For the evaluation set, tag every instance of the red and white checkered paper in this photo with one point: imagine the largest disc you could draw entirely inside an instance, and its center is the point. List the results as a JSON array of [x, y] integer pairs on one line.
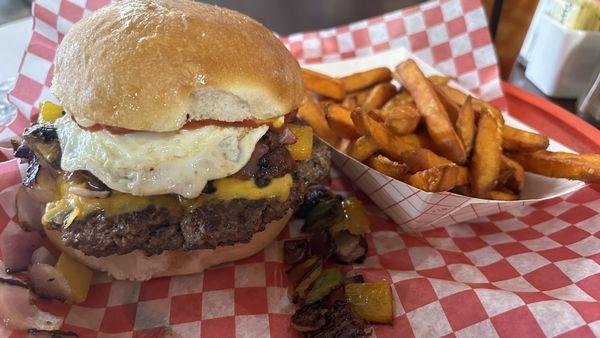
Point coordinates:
[[533, 271]]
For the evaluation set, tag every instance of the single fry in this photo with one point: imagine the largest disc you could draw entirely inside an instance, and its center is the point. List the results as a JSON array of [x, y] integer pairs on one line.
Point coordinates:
[[438, 79], [585, 167], [361, 96], [340, 122], [379, 95], [361, 121], [401, 118], [479, 106], [350, 102], [516, 180], [505, 173], [521, 141], [362, 148], [323, 84], [435, 179], [419, 159], [375, 115], [402, 98], [362, 80], [433, 112], [418, 140], [386, 166], [324, 102], [313, 115], [465, 125], [486, 161], [452, 108], [502, 195], [462, 178], [391, 144]]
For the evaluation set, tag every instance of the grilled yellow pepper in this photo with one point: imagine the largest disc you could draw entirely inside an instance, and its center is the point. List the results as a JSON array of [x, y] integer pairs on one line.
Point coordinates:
[[50, 111], [302, 149], [78, 276], [355, 218], [372, 301]]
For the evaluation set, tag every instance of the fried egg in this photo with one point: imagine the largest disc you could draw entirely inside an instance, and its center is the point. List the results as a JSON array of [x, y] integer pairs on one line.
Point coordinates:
[[153, 163]]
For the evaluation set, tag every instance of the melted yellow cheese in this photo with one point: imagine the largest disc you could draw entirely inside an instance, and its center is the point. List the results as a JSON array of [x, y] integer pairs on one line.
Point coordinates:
[[231, 188], [70, 206], [277, 122]]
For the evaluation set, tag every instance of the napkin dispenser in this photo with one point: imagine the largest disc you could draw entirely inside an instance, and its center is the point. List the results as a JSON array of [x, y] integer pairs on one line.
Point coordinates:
[[562, 62]]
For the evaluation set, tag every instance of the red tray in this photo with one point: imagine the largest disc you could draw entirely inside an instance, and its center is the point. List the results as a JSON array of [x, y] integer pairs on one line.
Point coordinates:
[[551, 119]]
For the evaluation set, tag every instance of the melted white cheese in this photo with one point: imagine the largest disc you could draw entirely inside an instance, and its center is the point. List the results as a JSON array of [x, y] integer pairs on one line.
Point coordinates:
[[149, 163]]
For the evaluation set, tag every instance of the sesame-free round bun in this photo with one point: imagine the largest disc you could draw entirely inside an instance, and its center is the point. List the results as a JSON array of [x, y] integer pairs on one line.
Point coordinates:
[[154, 64], [137, 266]]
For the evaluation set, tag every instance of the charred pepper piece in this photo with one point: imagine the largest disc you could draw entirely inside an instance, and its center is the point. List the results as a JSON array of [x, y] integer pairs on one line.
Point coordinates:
[[324, 215], [328, 281], [294, 251], [314, 195], [301, 276], [322, 244]]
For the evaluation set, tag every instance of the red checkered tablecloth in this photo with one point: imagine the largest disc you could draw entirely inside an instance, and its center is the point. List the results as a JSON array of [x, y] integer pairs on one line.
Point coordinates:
[[533, 271]]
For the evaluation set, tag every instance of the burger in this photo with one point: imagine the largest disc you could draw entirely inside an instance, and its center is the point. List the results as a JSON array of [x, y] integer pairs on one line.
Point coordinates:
[[174, 145]]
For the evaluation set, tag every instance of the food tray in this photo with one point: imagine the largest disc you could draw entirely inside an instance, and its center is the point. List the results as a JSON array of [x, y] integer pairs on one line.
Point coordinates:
[[416, 210]]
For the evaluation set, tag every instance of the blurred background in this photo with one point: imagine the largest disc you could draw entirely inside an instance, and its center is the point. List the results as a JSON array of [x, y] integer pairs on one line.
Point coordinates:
[[285, 17], [13, 9]]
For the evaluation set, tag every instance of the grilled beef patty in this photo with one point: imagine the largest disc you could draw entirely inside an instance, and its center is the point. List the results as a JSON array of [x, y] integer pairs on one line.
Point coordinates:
[[155, 230], [206, 227], [211, 225]]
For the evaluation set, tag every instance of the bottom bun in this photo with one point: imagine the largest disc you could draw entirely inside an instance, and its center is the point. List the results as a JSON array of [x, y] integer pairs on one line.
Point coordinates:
[[137, 266]]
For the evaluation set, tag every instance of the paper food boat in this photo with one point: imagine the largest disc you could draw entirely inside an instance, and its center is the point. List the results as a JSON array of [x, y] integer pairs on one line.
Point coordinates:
[[416, 210]]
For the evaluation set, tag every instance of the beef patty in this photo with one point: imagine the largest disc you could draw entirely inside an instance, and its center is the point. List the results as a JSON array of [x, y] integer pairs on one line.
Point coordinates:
[[211, 225]]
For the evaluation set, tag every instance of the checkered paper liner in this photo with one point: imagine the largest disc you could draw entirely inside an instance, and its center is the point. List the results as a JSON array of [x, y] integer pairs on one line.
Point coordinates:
[[531, 271]]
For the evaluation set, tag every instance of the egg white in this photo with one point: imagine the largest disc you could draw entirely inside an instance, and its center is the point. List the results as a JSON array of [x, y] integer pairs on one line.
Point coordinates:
[[151, 163]]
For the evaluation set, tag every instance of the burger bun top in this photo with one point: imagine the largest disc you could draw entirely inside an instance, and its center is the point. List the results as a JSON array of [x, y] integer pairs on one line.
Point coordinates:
[[153, 65]]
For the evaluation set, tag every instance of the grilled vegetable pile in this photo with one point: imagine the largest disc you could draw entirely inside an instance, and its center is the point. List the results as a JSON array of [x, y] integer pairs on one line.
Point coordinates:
[[330, 303]]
